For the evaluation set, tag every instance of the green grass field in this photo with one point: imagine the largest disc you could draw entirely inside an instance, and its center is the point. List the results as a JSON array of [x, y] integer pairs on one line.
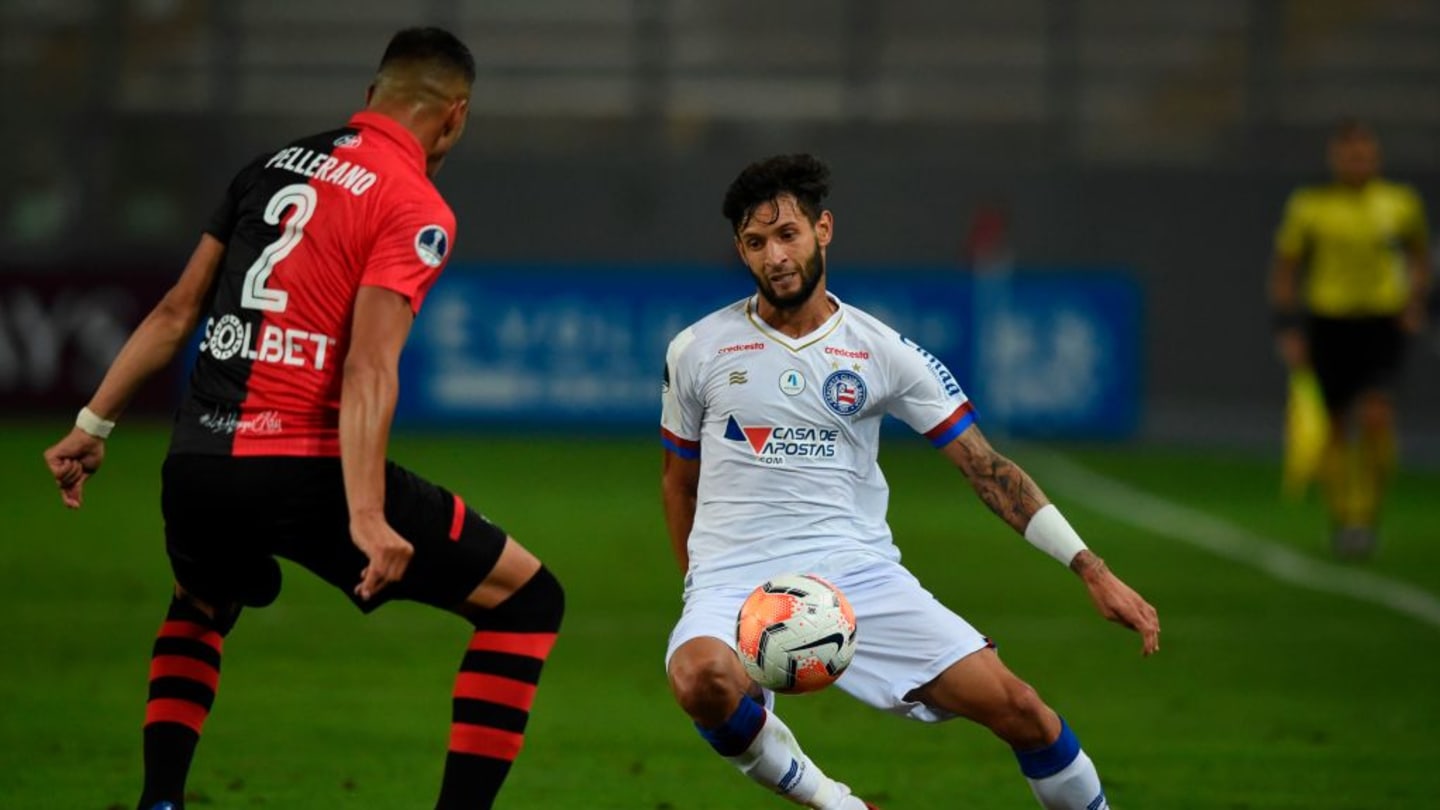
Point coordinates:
[[1264, 695]]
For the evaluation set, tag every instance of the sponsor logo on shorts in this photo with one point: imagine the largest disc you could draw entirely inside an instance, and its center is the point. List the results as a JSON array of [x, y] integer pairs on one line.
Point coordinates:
[[844, 392]]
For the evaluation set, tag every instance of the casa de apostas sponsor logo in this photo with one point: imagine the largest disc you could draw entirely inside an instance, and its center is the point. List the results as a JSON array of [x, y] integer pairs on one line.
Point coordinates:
[[779, 444]]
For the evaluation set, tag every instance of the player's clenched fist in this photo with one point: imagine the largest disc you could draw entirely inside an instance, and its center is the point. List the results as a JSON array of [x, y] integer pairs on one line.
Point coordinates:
[[388, 552], [72, 460]]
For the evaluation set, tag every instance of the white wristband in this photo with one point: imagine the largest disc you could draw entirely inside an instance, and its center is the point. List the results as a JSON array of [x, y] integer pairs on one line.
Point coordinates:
[[1050, 532], [90, 422]]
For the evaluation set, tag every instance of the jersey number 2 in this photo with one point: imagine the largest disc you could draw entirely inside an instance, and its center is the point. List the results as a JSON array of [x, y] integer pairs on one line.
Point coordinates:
[[255, 295]]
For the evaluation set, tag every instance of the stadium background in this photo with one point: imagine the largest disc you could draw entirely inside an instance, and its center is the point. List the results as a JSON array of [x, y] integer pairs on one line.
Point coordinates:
[[1149, 142]]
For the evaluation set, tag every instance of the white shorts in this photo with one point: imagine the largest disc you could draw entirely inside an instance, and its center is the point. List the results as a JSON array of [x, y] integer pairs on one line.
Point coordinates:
[[905, 637]]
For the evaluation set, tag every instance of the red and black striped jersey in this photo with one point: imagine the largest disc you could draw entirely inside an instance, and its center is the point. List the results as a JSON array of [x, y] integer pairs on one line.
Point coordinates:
[[304, 228]]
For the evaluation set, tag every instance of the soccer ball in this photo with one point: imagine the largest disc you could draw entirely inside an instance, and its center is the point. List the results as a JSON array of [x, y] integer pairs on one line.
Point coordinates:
[[795, 633]]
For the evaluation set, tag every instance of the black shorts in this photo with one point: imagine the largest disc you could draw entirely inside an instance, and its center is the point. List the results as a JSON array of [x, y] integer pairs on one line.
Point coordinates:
[[227, 518], [1351, 355]]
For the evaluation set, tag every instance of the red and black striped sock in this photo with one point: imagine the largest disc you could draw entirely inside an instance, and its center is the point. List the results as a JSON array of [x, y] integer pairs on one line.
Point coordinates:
[[184, 673], [495, 689]]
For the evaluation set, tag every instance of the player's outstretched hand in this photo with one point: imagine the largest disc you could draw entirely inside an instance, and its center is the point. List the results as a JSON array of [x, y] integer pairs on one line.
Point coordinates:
[[1119, 602], [388, 552], [72, 460]]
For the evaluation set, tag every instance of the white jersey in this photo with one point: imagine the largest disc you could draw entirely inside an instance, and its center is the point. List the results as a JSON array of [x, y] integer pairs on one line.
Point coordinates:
[[787, 431]]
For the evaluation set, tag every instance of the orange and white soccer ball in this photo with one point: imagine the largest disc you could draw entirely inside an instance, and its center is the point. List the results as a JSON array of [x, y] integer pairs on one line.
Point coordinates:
[[795, 633]]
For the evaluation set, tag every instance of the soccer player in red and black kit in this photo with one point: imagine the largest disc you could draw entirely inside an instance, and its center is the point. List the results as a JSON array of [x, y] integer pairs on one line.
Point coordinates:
[[309, 276]]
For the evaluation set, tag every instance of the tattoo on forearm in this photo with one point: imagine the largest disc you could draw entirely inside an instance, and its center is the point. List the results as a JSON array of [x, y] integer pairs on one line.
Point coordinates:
[[1007, 490]]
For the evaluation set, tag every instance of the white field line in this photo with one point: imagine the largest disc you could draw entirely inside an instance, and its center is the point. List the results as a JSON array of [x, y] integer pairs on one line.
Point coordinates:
[[1126, 504]]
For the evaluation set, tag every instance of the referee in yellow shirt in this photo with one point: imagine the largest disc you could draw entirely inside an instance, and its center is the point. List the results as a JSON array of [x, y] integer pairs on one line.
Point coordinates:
[[1348, 287]]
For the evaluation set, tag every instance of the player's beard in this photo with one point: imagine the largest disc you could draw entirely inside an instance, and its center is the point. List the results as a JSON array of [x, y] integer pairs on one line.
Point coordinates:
[[811, 271]]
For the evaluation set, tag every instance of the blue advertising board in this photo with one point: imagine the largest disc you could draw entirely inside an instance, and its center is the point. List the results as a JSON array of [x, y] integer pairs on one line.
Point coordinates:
[[1040, 353]]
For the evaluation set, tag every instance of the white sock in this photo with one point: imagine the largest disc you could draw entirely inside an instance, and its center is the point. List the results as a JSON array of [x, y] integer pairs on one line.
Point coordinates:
[[1074, 787], [775, 760]]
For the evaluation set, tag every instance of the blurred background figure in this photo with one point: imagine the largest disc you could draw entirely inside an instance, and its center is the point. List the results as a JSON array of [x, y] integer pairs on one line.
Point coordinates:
[[1348, 287]]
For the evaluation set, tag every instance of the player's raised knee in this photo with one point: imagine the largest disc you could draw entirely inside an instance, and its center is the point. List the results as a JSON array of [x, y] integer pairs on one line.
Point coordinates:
[[704, 681], [536, 606], [539, 603]]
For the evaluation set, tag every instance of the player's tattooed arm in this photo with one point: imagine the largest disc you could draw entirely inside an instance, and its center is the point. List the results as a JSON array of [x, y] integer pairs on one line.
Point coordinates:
[[1005, 488]]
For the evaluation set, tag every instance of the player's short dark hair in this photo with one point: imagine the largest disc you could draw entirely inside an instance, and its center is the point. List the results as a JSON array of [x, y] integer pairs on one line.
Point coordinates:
[[433, 46], [805, 177]]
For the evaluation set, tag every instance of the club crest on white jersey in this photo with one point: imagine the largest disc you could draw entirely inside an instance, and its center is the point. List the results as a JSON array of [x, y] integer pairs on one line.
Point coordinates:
[[844, 392]]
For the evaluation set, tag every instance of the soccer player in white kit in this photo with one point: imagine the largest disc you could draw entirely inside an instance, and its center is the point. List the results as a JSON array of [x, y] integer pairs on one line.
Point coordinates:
[[771, 412]]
